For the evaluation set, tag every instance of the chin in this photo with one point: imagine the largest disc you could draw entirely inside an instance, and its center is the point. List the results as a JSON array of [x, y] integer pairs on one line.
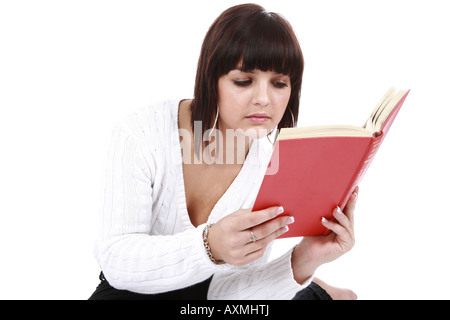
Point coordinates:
[[258, 132]]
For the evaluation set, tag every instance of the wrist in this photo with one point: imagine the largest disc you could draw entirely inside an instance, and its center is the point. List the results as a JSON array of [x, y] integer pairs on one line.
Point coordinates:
[[303, 266], [206, 234]]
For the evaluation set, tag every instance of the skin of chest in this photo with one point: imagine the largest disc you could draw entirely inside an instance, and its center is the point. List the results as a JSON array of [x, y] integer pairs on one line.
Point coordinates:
[[204, 186]]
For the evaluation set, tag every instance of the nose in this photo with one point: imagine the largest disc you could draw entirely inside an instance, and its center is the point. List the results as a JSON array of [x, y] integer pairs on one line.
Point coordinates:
[[261, 94]]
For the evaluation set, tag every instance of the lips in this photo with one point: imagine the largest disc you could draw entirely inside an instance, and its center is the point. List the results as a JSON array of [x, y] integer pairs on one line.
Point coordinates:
[[258, 117]]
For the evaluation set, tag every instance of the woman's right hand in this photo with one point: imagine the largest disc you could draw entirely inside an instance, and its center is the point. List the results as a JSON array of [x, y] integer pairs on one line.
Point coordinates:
[[230, 239]]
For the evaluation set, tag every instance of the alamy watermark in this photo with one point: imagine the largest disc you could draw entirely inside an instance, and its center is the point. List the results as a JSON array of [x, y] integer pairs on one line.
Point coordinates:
[[219, 152]]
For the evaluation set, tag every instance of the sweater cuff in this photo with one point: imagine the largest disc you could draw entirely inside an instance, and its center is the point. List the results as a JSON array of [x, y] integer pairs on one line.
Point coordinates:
[[284, 284], [205, 260]]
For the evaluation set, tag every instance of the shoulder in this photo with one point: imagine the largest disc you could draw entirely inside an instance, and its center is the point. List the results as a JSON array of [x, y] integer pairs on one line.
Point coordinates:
[[156, 119]]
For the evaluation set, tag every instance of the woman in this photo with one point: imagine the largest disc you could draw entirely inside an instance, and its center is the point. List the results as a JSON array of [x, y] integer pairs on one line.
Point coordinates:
[[183, 176]]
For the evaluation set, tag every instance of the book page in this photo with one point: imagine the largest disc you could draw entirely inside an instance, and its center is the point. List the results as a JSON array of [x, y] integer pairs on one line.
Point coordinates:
[[370, 123], [387, 110], [323, 131], [373, 124]]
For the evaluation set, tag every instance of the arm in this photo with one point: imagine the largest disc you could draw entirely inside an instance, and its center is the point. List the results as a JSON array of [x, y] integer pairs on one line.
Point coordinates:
[[262, 280], [129, 256]]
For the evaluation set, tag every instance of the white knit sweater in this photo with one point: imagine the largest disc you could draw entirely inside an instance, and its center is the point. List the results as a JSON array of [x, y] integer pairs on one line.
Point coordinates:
[[146, 242]]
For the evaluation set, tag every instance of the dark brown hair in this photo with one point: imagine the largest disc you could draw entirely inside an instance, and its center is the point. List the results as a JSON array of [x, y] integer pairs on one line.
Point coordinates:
[[250, 36]]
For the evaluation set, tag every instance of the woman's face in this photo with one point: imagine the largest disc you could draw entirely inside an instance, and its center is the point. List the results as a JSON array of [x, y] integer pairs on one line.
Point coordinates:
[[253, 100]]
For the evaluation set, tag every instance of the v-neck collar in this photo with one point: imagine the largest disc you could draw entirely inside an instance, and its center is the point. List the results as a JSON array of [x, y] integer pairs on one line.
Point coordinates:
[[232, 191]]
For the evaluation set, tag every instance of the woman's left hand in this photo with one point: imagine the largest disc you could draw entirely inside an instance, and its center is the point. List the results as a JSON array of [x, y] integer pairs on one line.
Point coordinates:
[[312, 252]]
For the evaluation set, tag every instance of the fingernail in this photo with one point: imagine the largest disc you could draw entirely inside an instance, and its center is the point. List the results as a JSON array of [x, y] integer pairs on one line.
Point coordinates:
[[290, 220], [355, 192], [324, 220], [280, 210], [339, 210], [285, 229]]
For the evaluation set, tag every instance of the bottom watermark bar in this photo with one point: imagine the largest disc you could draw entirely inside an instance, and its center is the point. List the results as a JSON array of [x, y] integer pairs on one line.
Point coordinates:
[[227, 309]]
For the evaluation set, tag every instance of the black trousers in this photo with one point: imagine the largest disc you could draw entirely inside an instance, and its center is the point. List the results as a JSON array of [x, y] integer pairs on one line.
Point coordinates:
[[198, 291]]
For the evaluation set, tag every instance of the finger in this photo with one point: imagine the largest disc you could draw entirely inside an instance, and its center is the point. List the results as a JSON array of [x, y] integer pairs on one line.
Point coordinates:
[[255, 255], [344, 221], [255, 218], [269, 227], [350, 207], [264, 242], [341, 218], [256, 249], [342, 237], [339, 230]]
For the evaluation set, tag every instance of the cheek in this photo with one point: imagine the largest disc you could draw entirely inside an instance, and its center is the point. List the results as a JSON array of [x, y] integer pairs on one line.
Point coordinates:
[[280, 103], [233, 100], [285, 95]]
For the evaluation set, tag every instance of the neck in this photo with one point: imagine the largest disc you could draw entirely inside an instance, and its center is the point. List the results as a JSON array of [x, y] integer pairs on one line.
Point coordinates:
[[230, 147], [222, 147]]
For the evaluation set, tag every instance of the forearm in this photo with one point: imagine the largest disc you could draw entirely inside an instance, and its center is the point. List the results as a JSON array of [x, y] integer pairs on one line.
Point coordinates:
[[303, 267], [154, 264], [261, 280]]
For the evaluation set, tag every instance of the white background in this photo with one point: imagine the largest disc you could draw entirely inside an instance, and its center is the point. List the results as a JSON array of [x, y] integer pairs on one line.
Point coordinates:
[[70, 69]]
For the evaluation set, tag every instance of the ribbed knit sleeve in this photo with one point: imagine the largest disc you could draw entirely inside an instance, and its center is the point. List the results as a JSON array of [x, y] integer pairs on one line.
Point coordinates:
[[129, 252], [272, 280]]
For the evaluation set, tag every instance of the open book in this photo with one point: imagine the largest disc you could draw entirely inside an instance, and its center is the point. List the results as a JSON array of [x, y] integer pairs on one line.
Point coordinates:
[[315, 169]]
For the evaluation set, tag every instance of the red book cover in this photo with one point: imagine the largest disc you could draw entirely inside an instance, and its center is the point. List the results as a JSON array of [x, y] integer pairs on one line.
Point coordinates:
[[316, 174]]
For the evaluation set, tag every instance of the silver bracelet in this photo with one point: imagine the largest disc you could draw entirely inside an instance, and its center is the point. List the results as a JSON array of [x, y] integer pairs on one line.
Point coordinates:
[[207, 247]]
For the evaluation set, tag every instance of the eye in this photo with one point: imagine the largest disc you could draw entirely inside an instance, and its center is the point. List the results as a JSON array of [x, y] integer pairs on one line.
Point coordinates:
[[279, 84], [242, 83]]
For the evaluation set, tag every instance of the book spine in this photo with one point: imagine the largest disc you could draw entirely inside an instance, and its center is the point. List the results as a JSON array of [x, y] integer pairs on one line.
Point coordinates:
[[377, 139], [365, 163]]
